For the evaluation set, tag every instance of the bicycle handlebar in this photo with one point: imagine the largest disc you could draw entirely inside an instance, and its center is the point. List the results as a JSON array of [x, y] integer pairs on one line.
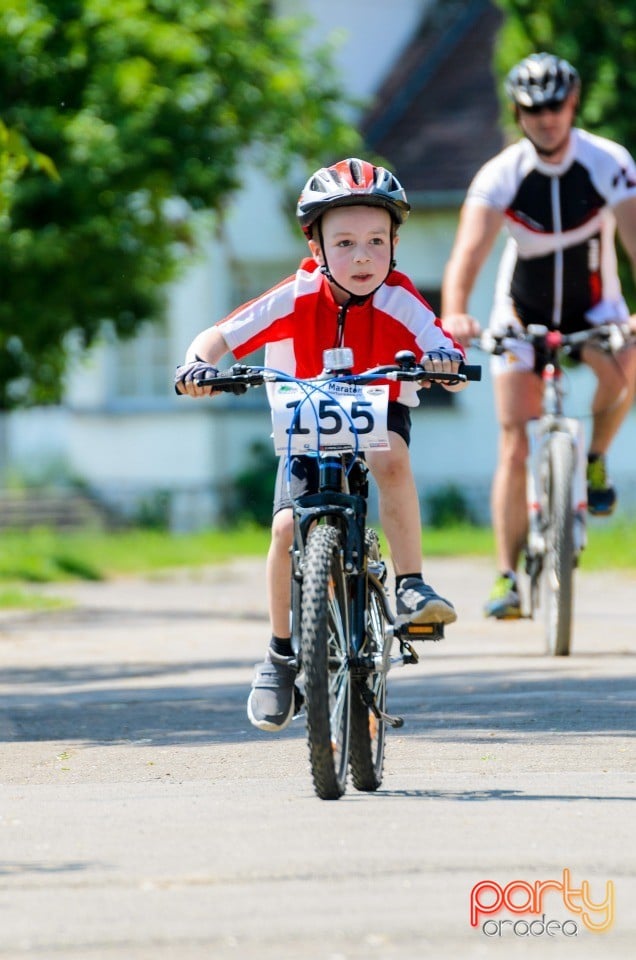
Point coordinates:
[[611, 336], [247, 376]]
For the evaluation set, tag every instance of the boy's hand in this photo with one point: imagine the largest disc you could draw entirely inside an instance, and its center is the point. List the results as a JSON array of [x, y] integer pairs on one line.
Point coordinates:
[[187, 374], [443, 361]]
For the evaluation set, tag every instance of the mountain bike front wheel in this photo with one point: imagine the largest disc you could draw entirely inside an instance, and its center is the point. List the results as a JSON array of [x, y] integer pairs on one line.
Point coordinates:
[[559, 562], [325, 658], [367, 730]]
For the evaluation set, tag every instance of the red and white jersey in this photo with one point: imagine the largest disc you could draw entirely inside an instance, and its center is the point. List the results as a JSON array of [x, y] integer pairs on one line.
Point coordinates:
[[298, 319]]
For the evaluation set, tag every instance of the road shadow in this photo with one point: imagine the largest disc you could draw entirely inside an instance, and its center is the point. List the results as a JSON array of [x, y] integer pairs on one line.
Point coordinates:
[[517, 702], [172, 704], [479, 796]]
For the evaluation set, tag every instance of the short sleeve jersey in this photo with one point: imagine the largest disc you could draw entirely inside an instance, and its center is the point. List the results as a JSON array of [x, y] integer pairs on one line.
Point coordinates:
[[298, 319], [559, 267]]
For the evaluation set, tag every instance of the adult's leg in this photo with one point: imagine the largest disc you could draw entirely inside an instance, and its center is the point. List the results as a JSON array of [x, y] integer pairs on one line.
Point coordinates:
[[614, 396]]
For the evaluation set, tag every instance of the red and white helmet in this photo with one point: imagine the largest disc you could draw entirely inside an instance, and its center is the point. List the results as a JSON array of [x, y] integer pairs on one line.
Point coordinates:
[[348, 183]]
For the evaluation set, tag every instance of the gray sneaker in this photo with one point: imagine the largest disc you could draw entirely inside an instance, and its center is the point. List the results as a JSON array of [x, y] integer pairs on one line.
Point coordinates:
[[274, 697], [417, 602]]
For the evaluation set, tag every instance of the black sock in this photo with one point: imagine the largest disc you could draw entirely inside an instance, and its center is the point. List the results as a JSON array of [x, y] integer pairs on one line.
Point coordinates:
[[282, 646], [406, 576]]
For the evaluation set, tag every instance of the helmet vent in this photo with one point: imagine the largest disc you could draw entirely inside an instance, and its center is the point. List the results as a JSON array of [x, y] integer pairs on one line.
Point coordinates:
[[356, 171]]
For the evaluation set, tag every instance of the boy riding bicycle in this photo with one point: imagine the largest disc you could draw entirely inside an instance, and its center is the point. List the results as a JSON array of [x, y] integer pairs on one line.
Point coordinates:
[[347, 293]]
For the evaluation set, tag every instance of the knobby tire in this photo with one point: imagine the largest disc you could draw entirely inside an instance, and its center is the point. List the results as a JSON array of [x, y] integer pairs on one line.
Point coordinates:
[[325, 659], [559, 562], [368, 731]]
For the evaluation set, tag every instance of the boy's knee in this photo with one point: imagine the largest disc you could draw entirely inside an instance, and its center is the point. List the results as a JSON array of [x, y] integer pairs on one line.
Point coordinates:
[[283, 528], [392, 471], [390, 463]]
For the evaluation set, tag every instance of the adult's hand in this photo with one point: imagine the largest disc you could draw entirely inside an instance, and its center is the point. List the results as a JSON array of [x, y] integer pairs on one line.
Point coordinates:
[[462, 327]]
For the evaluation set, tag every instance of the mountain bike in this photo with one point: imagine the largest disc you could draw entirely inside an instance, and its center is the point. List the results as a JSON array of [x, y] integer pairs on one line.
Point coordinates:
[[556, 482], [343, 628]]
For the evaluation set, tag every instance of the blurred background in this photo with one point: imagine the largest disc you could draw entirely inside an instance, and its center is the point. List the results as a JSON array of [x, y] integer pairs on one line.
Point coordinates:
[[151, 154]]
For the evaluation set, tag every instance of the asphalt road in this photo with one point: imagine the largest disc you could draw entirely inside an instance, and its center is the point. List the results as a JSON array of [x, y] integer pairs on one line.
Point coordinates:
[[141, 816]]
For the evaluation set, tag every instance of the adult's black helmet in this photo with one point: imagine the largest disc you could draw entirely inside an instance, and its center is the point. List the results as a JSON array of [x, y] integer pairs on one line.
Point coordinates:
[[541, 78], [348, 183]]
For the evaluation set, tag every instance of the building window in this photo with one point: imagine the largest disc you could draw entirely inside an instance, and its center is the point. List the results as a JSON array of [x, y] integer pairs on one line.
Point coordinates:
[[142, 365]]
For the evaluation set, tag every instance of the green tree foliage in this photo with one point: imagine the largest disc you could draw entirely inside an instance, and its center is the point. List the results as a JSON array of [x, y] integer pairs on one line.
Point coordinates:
[[145, 108], [599, 38], [16, 156]]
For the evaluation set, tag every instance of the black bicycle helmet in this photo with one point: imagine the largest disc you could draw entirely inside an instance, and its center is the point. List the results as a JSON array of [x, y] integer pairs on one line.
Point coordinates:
[[347, 183], [541, 78]]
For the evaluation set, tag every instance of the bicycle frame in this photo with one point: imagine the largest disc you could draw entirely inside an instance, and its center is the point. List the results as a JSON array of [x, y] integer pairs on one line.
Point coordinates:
[[540, 433]]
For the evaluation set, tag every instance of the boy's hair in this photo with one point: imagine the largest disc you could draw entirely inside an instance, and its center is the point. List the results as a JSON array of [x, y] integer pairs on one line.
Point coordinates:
[[348, 183]]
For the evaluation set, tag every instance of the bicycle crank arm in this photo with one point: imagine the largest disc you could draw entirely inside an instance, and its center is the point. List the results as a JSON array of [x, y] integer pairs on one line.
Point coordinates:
[[395, 722], [369, 699], [407, 655]]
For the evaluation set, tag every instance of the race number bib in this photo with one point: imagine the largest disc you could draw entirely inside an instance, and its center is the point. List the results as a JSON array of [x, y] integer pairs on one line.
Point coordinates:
[[329, 417]]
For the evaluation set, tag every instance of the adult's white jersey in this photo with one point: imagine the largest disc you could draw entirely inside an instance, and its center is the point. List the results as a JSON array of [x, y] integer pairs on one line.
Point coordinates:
[[559, 266]]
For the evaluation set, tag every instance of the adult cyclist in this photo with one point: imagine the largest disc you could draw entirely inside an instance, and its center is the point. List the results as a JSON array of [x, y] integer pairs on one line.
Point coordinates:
[[561, 192]]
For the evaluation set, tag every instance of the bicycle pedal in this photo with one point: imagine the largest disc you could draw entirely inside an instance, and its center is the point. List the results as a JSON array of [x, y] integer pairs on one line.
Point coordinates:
[[421, 631]]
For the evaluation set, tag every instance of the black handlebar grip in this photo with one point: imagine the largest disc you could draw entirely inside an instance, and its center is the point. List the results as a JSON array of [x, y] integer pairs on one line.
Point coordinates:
[[221, 385], [472, 371]]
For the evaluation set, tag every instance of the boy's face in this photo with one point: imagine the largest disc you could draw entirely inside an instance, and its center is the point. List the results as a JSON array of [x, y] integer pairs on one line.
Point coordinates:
[[357, 248]]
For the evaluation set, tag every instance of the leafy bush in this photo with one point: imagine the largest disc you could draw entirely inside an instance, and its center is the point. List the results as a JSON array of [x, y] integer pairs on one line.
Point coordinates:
[[447, 506], [252, 491]]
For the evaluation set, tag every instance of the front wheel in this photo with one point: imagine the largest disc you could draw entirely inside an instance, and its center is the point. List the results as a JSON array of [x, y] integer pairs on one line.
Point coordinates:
[[367, 730], [325, 658], [559, 561]]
